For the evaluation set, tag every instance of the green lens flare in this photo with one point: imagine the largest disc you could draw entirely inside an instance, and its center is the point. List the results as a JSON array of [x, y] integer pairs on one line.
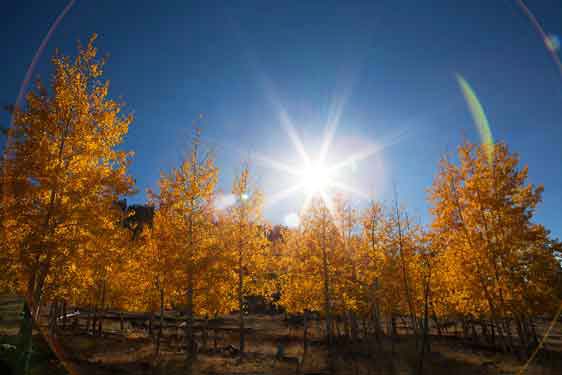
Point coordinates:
[[478, 115]]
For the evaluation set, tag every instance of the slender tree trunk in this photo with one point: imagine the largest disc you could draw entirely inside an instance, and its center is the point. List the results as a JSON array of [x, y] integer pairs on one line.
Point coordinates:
[[216, 333], [103, 293], [177, 339], [534, 331], [337, 325], [94, 319], [405, 278], [57, 312], [150, 323], [475, 336], [376, 317], [189, 336], [425, 346], [346, 325], [464, 328], [38, 292], [484, 329], [327, 297], [378, 330], [305, 335], [394, 328], [393, 331], [60, 315], [241, 298], [508, 334], [436, 322], [26, 340], [64, 312], [327, 294], [159, 337], [206, 332], [523, 333], [526, 331], [51, 318], [365, 328], [89, 318], [353, 324]]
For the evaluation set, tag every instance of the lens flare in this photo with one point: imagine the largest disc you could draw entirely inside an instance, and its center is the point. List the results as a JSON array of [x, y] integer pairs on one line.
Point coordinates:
[[553, 43], [292, 220], [38, 54], [224, 201], [479, 116]]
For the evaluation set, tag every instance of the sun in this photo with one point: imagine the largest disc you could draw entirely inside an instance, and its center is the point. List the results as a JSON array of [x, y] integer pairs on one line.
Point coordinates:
[[316, 178]]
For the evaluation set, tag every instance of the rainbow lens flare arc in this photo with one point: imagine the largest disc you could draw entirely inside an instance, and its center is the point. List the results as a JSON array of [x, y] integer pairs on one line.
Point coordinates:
[[478, 115]]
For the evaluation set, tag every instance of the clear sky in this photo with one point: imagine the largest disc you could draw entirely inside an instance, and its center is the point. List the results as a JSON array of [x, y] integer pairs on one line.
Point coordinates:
[[384, 69]]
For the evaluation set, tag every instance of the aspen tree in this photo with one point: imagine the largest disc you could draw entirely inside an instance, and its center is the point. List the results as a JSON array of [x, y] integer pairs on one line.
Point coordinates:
[[62, 172]]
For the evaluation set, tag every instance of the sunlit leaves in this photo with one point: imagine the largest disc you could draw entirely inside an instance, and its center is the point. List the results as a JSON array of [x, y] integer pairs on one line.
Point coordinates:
[[62, 172], [483, 225]]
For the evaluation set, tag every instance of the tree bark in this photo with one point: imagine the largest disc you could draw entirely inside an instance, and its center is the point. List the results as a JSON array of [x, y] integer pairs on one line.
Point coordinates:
[[241, 298], [436, 322], [216, 333], [425, 329], [305, 334], [150, 323], [26, 340], [189, 337], [327, 298], [94, 319], [64, 312], [159, 337], [103, 293], [206, 332]]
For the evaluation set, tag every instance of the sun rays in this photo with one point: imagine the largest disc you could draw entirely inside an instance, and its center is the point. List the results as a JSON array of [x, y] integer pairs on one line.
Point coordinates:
[[314, 175]]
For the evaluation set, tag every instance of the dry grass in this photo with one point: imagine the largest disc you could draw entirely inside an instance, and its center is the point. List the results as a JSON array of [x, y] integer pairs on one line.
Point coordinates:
[[133, 351]]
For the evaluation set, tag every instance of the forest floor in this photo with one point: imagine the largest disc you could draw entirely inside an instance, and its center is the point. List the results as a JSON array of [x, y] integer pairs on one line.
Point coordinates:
[[131, 351], [133, 354], [42, 359]]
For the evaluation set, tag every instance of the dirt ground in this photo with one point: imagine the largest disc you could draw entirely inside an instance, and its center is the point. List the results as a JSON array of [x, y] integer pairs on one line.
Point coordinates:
[[131, 351], [42, 360]]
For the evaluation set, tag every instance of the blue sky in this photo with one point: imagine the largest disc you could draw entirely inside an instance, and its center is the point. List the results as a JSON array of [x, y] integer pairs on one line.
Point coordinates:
[[389, 65]]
